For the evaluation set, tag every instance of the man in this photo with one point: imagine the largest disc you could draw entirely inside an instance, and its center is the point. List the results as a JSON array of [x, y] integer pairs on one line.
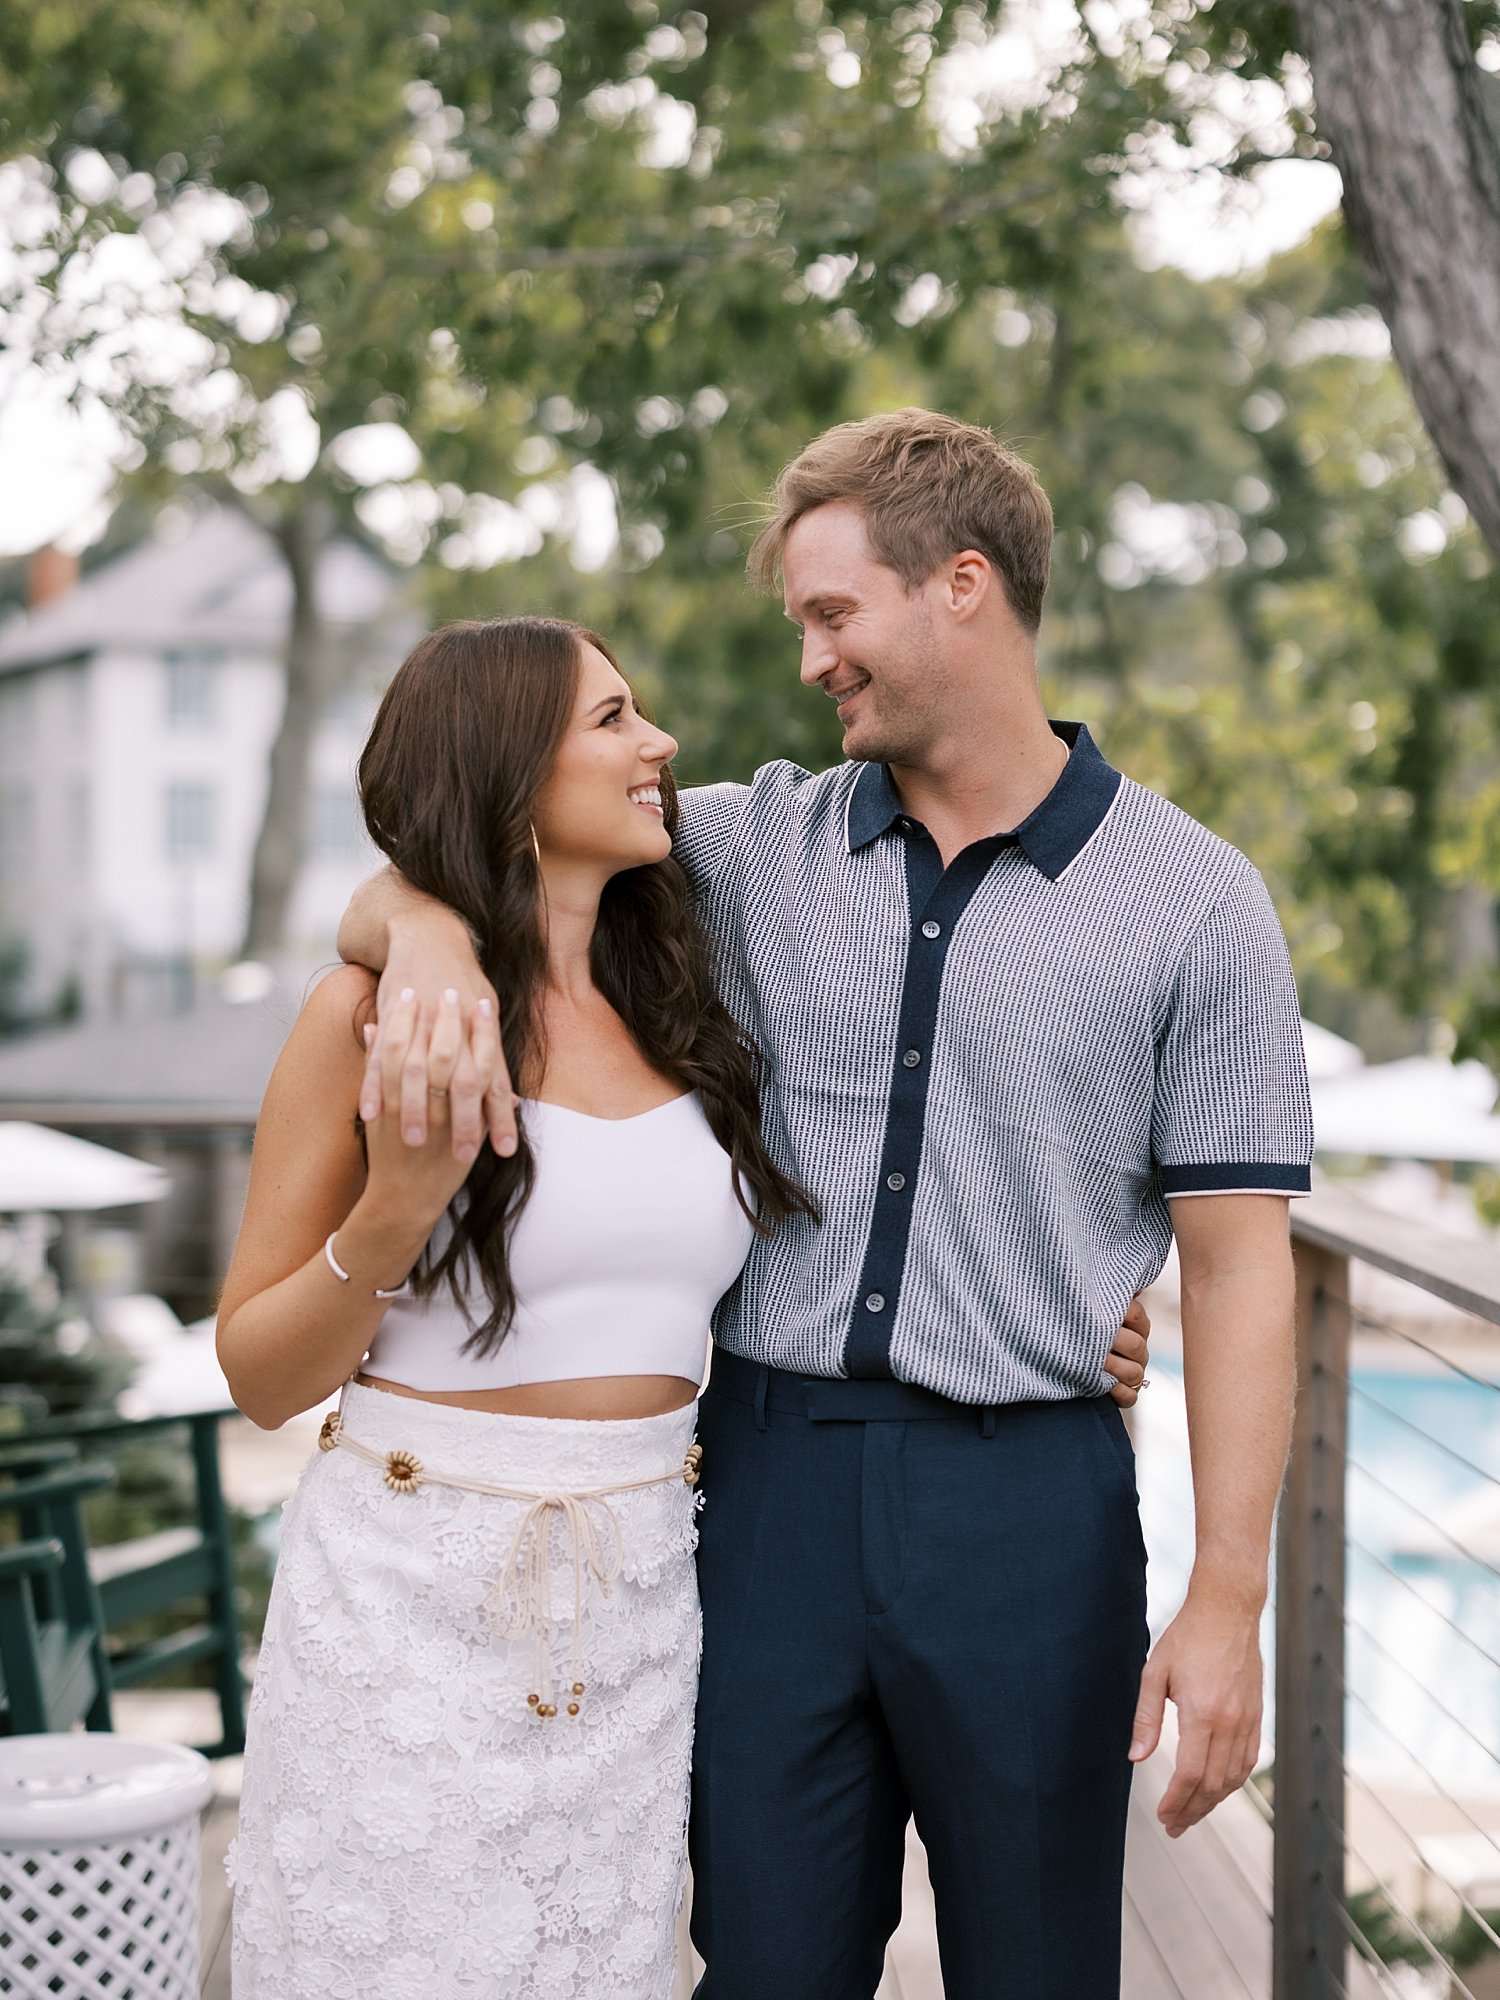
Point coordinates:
[[1024, 1020]]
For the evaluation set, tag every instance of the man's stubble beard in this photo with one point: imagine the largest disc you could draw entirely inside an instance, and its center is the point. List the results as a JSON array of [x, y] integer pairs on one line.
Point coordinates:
[[906, 738]]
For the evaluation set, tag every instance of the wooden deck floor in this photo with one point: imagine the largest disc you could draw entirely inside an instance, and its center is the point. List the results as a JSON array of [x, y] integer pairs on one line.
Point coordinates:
[[1197, 1911]]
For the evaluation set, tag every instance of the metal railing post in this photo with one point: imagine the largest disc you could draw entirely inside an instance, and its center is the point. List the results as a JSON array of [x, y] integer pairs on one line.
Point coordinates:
[[1310, 1941]]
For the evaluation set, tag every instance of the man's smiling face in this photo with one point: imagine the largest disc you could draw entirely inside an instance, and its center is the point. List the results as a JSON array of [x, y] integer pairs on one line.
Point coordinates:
[[868, 643]]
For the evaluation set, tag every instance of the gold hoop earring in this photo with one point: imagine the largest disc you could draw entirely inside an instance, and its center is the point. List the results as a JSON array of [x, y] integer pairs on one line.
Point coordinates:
[[536, 845]]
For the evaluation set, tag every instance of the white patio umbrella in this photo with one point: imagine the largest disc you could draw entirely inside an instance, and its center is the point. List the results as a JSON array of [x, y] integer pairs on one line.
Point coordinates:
[[1329, 1054], [52, 1172], [1421, 1108]]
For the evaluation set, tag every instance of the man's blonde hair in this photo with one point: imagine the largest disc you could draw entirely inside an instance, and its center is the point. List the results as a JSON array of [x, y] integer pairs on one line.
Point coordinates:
[[928, 487]]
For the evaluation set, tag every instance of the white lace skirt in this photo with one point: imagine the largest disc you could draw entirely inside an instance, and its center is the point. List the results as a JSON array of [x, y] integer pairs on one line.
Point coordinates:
[[409, 1825]]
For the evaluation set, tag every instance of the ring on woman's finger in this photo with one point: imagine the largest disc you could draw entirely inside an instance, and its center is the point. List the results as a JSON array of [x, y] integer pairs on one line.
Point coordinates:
[[433, 1091]]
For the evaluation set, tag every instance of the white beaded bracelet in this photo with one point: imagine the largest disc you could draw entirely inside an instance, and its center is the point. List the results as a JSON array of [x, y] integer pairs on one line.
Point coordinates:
[[399, 1292]]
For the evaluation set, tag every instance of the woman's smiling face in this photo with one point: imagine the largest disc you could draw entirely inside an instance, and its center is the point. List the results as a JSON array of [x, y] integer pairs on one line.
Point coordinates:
[[602, 802]]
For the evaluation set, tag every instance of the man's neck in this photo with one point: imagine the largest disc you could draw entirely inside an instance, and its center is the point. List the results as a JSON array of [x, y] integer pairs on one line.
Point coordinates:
[[967, 791]]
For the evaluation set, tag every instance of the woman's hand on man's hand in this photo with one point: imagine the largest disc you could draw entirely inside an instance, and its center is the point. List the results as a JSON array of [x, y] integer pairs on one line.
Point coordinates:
[[416, 1180], [438, 1031]]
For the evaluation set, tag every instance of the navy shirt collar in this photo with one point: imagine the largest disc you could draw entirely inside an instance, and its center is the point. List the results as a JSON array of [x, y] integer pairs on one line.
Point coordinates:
[[1051, 837]]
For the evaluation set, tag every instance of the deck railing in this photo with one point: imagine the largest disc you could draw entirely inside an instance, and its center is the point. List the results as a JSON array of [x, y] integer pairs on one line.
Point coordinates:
[[1315, 1923]]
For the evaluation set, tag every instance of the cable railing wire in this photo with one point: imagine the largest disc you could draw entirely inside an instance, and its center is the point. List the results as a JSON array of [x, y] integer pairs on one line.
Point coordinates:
[[1427, 1437], [1394, 1903], [1376, 1325], [1441, 1789], [1475, 1916], [1362, 1548], [1363, 1946], [1355, 1625], [1385, 1487], [1417, 1928], [1266, 1812]]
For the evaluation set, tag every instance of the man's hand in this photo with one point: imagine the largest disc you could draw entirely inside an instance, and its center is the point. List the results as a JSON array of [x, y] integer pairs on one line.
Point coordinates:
[[438, 1025], [438, 1030], [1130, 1356], [1208, 1663], [405, 1178]]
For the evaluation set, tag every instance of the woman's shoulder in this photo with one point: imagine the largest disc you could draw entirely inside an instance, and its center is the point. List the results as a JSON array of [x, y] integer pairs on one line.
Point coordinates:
[[345, 991], [329, 1026]]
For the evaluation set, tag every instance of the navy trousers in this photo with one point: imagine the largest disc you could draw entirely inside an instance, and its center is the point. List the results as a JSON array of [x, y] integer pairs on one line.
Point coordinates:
[[911, 1606]]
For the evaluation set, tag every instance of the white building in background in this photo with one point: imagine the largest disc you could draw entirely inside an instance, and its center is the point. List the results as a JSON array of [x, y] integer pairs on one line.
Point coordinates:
[[137, 712]]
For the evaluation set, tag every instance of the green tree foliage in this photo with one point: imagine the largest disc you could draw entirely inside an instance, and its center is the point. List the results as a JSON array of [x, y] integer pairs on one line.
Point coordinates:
[[1462, 1941], [671, 244]]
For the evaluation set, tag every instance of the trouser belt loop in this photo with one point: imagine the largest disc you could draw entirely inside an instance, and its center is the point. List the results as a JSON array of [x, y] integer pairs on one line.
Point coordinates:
[[762, 1384], [987, 1422]]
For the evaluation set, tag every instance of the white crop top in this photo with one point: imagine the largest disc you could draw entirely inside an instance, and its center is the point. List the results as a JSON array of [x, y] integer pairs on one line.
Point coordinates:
[[631, 1234]]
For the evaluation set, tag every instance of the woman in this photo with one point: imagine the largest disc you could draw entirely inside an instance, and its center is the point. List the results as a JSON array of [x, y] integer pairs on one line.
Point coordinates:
[[469, 1745], [469, 1742]]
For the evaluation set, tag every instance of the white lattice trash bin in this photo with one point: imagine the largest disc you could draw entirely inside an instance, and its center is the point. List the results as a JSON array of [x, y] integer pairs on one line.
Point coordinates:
[[99, 1868]]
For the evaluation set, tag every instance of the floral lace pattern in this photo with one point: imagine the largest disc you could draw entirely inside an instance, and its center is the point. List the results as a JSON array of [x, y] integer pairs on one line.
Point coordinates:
[[407, 1824]]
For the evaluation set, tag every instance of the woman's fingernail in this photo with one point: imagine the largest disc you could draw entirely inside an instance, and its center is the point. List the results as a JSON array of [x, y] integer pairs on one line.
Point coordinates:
[[486, 1007], [450, 994], [408, 993], [369, 1034], [412, 1136], [466, 1155], [507, 1147], [369, 1110]]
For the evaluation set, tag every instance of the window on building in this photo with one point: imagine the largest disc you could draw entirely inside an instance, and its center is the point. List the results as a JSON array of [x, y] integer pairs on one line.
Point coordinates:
[[192, 689], [80, 823], [15, 830], [18, 714], [336, 832], [190, 822], [79, 701]]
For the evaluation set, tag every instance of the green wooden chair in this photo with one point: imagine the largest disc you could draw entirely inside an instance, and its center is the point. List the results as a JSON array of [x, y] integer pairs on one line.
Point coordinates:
[[164, 1571], [25, 1664], [52, 1659]]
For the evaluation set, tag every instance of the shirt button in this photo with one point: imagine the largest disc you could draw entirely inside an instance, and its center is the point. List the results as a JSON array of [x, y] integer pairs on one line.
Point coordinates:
[[895, 1182], [930, 929], [912, 1058], [875, 1302]]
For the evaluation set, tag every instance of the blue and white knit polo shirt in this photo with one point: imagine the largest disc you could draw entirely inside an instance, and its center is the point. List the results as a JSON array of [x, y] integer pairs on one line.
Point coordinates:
[[993, 1078]]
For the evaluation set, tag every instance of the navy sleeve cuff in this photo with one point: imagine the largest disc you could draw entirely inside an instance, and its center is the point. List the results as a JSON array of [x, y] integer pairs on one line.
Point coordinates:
[[1255, 1177]]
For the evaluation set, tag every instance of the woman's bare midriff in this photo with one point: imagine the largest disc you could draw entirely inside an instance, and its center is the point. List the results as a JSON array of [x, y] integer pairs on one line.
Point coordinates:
[[595, 1399]]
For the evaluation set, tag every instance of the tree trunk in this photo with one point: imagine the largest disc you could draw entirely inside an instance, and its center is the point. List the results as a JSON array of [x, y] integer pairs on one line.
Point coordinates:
[[312, 674], [1401, 102]]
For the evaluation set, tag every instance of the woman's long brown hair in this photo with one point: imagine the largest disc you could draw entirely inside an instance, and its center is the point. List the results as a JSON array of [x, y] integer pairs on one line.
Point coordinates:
[[462, 743]]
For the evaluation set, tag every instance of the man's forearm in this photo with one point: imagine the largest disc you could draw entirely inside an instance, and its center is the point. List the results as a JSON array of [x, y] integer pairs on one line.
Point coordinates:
[[381, 903], [1237, 1338], [425, 954]]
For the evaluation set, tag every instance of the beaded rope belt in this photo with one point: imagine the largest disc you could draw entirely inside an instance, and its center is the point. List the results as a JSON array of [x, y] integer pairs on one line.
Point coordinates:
[[521, 1600]]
